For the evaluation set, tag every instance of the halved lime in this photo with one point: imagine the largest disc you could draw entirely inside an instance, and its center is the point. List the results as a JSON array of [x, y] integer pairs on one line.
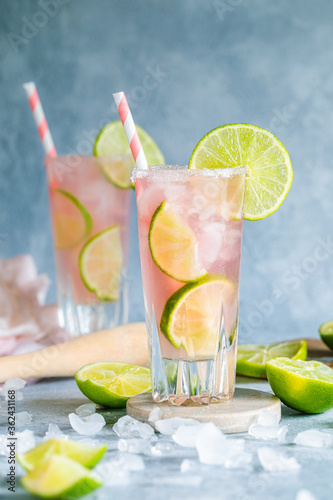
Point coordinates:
[[173, 245], [60, 477], [71, 220], [326, 333], [112, 384], [269, 171], [252, 358], [118, 171], [306, 386], [192, 315], [100, 263], [84, 454], [112, 141]]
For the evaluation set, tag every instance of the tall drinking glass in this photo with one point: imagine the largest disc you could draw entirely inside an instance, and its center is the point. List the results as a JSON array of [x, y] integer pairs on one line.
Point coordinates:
[[90, 215], [190, 233]]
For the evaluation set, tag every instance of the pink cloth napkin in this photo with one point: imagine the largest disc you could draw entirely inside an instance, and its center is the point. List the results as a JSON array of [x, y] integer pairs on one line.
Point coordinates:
[[26, 324]]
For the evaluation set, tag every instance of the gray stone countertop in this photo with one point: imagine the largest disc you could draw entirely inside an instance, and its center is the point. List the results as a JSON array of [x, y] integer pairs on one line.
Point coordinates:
[[51, 401]]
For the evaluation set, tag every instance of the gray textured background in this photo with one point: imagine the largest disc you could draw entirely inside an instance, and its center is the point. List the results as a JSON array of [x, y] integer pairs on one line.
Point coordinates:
[[215, 62]]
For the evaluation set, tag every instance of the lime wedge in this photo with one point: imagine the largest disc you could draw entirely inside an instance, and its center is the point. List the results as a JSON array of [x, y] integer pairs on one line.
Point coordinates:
[[60, 477], [269, 171], [326, 333], [84, 454], [173, 245], [306, 386], [192, 315], [71, 220], [112, 141], [100, 263], [112, 384], [117, 171], [252, 358]]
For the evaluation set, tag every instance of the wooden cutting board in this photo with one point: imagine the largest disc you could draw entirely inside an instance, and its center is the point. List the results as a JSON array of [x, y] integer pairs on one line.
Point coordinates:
[[318, 351]]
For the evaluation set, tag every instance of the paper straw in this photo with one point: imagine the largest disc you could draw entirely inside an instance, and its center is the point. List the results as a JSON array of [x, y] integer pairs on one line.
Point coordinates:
[[130, 130], [40, 120]]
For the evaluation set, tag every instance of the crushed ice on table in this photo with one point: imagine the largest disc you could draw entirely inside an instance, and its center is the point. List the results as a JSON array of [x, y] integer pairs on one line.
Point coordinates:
[[54, 432], [168, 426], [268, 419], [128, 427], [314, 438], [305, 495], [25, 441], [162, 448], [273, 460], [154, 415], [110, 474], [268, 432], [22, 418], [86, 410], [135, 445], [215, 449], [186, 435], [15, 384], [88, 426]]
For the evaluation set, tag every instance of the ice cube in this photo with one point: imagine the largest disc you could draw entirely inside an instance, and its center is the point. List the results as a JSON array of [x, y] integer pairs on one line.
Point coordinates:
[[88, 426], [128, 427], [86, 410], [162, 448], [186, 435], [211, 444], [135, 445], [188, 465], [305, 495], [273, 460], [54, 432], [22, 418], [168, 426], [13, 384], [173, 192], [268, 432], [25, 441], [268, 419], [210, 240], [314, 438], [154, 415]]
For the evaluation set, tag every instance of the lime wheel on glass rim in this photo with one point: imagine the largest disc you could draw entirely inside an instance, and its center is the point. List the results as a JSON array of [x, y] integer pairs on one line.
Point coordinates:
[[269, 170]]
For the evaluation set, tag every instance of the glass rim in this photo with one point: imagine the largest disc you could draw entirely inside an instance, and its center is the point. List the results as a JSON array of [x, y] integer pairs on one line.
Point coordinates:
[[165, 170]]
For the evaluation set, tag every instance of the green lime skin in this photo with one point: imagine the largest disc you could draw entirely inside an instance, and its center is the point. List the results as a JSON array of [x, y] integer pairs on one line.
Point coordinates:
[[326, 333]]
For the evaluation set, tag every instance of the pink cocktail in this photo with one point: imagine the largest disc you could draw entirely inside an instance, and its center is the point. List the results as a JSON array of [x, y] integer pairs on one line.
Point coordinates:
[[190, 234], [90, 215]]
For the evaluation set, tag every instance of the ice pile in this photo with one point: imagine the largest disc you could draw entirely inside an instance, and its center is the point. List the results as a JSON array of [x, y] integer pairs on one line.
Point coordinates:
[[314, 438], [268, 427], [169, 426], [88, 426], [274, 461], [128, 427]]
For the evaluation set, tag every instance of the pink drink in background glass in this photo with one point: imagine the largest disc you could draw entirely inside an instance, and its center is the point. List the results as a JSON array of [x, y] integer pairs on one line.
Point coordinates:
[[210, 203], [82, 179]]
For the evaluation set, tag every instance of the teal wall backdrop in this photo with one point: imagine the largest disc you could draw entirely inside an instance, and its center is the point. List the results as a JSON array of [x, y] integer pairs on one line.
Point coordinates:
[[186, 67]]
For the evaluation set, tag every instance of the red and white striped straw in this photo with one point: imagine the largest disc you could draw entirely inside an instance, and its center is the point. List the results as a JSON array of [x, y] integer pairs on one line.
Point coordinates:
[[130, 130], [40, 120]]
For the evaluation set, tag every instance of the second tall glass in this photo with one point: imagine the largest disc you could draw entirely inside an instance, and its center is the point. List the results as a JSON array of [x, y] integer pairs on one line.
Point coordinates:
[[190, 234]]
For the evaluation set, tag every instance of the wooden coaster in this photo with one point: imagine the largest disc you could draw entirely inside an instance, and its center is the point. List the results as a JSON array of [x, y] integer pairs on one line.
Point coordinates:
[[235, 415]]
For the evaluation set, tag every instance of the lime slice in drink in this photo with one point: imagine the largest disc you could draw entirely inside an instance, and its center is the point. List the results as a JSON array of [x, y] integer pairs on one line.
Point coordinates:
[[306, 386], [100, 263], [60, 477], [84, 454], [112, 141], [71, 220], [326, 333], [269, 171], [173, 245], [252, 358], [118, 171], [192, 315], [112, 384]]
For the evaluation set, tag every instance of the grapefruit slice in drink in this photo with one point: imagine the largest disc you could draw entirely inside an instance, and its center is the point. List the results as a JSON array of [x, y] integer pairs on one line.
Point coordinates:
[[100, 264]]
